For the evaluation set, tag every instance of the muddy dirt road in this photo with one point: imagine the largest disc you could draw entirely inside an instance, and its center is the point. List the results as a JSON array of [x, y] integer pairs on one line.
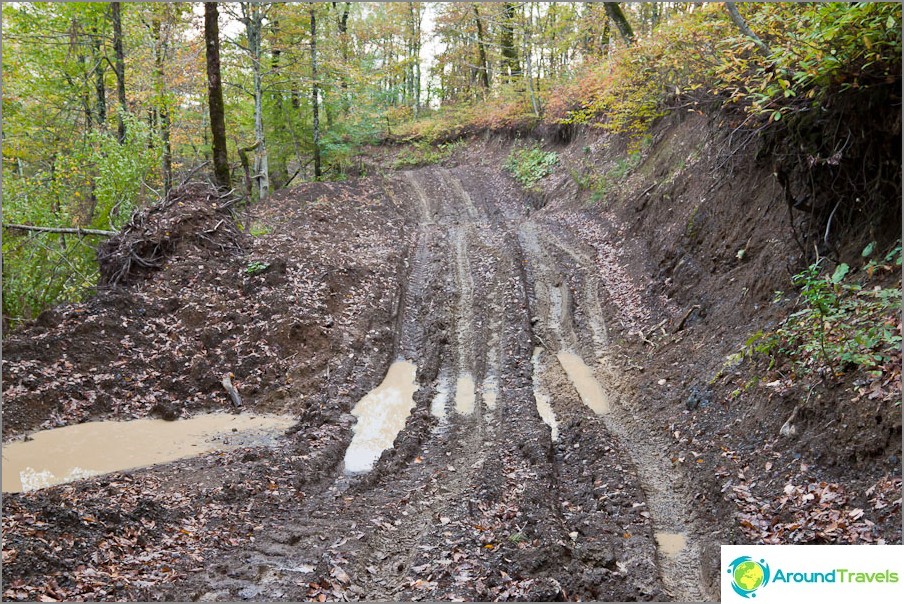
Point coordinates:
[[520, 472], [503, 456]]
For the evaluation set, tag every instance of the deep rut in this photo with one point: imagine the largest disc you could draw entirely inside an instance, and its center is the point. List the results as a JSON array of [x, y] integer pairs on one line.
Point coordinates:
[[503, 484]]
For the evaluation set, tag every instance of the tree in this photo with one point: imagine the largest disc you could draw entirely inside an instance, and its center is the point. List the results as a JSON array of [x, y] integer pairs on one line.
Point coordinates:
[[215, 96], [510, 63], [483, 67], [614, 11], [119, 68], [315, 94], [252, 15]]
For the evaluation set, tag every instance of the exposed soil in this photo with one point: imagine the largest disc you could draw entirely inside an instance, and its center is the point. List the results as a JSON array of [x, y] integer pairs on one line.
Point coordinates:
[[455, 269]]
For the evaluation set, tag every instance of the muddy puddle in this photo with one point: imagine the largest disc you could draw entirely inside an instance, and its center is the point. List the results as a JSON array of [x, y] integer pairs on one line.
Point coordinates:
[[438, 404], [490, 390], [465, 395], [71, 453], [544, 405], [589, 389], [381, 416], [671, 544]]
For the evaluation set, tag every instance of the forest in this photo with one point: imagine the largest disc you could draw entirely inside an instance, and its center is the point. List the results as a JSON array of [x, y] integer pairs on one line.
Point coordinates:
[[471, 300]]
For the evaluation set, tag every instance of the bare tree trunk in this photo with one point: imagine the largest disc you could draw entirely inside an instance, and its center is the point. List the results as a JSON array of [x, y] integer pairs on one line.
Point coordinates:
[[99, 88], [482, 51], [115, 9], [614, 11], [279, 172], [315, 94], [507, 41], [739, 21], [254, 22], [527, 51], [163, 106], [343, 35], [215, 96]]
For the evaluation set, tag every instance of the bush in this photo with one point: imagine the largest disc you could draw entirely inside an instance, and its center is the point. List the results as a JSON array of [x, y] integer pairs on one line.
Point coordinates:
[[529, 165], [841, 326]]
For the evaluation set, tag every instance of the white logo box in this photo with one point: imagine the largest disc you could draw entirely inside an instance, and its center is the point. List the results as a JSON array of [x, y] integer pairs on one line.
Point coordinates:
[[799, 573]]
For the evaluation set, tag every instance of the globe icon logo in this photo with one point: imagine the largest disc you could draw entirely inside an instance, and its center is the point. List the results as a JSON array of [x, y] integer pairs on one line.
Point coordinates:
[[748, 575]]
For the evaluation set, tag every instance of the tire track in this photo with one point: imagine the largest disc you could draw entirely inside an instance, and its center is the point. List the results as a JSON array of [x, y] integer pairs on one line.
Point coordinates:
[[668, 505]]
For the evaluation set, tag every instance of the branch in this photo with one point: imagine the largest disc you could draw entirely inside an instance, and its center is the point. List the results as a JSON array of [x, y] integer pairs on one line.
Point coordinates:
[[738, 20], [63, 230]]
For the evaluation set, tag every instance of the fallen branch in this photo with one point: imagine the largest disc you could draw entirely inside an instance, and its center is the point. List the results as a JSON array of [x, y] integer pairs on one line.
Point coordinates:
[[61, 230], [685, 318], [233, 393]]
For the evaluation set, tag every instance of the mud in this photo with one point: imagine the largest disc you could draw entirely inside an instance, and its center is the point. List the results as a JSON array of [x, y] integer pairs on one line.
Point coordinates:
[[521, 462]]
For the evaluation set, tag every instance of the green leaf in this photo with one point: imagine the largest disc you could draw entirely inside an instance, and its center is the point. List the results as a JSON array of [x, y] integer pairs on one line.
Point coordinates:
[[868, 249], [840, 271]]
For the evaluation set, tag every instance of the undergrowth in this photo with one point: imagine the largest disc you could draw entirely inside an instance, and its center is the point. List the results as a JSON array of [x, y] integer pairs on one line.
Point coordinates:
[[844, 323], [529, 165], [423, 153]]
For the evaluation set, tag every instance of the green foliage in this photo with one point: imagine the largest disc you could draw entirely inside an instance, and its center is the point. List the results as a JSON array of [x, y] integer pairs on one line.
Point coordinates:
[[97, 184], [422, 153], [258, 229], [600, 184], [529, 165], [256, 267], [842, 325], [816, 48]]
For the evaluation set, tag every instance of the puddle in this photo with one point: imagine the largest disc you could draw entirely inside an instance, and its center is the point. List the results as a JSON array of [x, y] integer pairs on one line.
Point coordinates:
[[671, 544], [74, 452], [544, 407], [438, 404], [547, 414], [381, 416], [490, 390], [465, 397], [584, 382]]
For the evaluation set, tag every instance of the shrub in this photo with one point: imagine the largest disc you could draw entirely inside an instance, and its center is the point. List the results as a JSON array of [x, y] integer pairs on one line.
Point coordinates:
[[529, 165]]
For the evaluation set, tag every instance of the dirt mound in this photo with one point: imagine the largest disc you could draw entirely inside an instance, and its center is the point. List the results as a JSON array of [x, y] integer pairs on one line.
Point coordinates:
[[191, 215], [269, 309]]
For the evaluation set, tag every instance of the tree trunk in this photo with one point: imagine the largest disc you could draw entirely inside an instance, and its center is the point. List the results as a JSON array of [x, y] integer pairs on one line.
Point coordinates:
[[315, 95], [482, 51], [278, 172], [528, 51], [343, 41], [215, 96], [739, 21], [99, 88], [120, 68], [163, 107], [614, 11], [254, 22], [507, 41]]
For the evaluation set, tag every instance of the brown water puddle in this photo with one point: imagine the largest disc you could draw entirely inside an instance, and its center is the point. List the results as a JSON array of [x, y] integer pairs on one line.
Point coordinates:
[[544, 406], [671, 544], [465, 395], [381, 414], [584, 382], [73, 452], [490, 390]]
